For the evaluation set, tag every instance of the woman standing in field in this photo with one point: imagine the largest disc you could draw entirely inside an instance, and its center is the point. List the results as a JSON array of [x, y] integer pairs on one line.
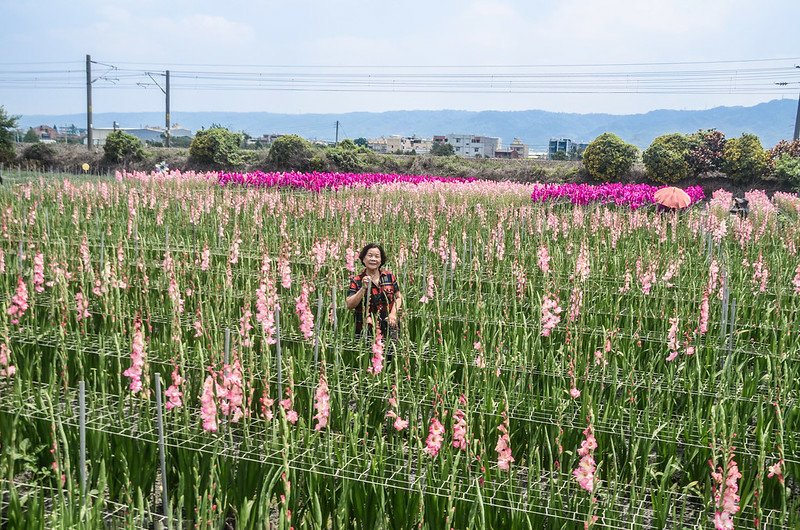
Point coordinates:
[[380, 288]]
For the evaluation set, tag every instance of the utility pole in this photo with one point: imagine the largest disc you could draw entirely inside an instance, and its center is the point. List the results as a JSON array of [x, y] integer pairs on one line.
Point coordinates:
[[797, 118], [337, 133], [168, 125], [89, 135]]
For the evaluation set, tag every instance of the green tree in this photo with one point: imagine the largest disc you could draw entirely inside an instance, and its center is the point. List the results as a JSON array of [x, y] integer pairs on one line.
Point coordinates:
[[31, 137], [609, 157], [361, 142], [666, 158], [216, 147], [8, 126], [744, 158], [122, 148], [442, 149], [290, 152], [787, 169], [559, 155]]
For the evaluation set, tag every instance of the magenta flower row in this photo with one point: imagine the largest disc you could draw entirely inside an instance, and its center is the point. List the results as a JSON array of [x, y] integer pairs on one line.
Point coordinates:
[[632, 195], [317, 181]]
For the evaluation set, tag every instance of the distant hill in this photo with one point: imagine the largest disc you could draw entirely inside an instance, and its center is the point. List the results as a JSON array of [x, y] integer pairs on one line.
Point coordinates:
[[771, 121]]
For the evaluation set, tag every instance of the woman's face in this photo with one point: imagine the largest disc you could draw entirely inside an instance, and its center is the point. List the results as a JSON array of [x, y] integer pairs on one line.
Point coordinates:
[[373, 258]]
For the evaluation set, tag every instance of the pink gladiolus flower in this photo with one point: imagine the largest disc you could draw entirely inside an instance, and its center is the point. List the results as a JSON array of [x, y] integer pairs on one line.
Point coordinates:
[[460, 430], [230, 392], [503, 447], [399, 423], [38, 272], [6, 368], [672, 339], [574, 393], [582, 265], [435, 437], [245, 327], [760, 274], [174, 393], [543, 259], [575, 303], [350, 259], [776, 470], [81, 307], [138, 357], [291, 414], [285, 271], [550, 314], [208, 406], [377, 355], [322, 404], [266, 405], [19, 302], [303, 311], [585, 471], [726, 493], [205, 258]]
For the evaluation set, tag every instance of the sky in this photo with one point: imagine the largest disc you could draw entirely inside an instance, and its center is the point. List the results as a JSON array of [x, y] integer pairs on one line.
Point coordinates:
[[309, 56]]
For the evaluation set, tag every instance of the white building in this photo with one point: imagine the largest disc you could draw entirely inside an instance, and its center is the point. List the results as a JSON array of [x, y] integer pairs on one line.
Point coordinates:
[[402, 144], [470, 145], [145, 134]]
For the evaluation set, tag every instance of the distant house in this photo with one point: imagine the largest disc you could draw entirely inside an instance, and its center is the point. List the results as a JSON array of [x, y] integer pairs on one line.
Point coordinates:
[[567, 146], [517, 149], [470, 145], [402, 144], [46, 133]]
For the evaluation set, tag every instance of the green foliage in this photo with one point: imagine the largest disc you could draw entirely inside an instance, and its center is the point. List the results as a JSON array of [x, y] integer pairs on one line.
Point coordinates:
[[216, 147], [560, 155], [666, 158], [122, 148], [361, 142], [179, 141], [345, 156], [787, 169], [705, 151], [30, 137], [8, 125], [43, 154], [442, 149], [290, 152], [609, 157], [744, 158]]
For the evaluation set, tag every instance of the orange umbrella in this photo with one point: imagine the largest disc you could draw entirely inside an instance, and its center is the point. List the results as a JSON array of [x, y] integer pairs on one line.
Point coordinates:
[[672, 197]]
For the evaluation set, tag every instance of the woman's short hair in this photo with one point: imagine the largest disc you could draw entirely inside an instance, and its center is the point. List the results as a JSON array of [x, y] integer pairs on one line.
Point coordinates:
[[367, 248]]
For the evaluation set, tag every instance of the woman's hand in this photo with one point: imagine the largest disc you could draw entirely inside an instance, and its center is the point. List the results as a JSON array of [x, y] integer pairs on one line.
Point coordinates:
[[393, 318]]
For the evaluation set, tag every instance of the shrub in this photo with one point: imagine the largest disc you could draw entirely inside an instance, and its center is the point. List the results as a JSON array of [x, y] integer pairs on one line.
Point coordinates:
[[290, 152], [609, 157], [705, 151], [784, 148], [787, 169], [665, 159], [216, 147], [43, 155], [345, 156], [744, 158], [122, 148]]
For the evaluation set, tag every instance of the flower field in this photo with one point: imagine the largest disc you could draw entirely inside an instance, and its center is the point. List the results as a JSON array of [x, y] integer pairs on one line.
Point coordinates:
[[175, 352]]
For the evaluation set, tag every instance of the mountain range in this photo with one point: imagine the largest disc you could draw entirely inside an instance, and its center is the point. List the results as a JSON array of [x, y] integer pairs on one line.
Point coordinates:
[[771, 121]]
